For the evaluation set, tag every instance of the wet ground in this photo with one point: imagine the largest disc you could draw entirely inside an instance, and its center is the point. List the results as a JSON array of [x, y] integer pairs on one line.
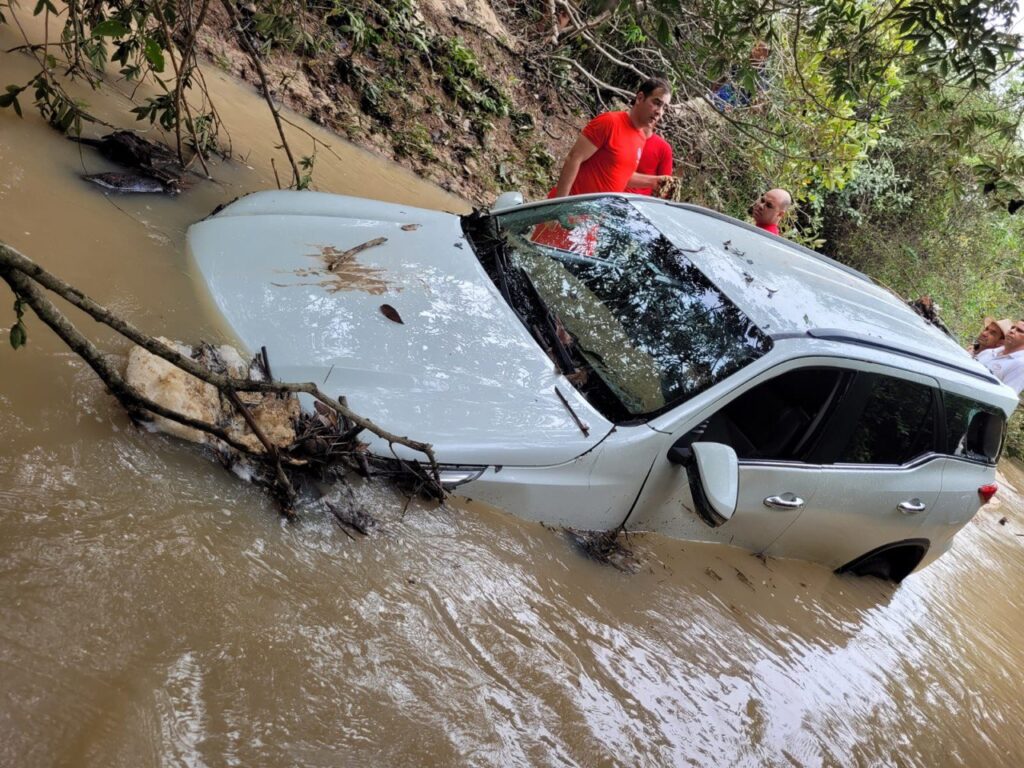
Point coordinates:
[[156, 611]]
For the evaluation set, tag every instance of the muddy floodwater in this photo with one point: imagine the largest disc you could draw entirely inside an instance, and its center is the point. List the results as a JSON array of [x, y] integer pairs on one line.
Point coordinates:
[[156, 611]]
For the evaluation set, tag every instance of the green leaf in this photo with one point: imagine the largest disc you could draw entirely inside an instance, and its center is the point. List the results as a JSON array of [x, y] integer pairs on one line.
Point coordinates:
[[110, 28], [154, 54], [18, 336], [66, 120]]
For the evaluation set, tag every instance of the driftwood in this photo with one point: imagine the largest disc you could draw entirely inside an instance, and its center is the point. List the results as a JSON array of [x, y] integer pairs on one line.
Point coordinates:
[[150, 159], [327, 440]]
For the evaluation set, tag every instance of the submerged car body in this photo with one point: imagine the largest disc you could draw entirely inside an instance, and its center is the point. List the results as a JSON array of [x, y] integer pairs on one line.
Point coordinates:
[[611, 360]]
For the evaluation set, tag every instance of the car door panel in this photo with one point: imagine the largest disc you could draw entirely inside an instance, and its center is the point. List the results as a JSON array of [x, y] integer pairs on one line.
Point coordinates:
[[666, 504], [755, 525], [857, 510]]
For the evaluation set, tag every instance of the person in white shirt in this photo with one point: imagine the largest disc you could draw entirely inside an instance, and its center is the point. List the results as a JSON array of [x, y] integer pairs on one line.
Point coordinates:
[[1007, 361], [992, 334]]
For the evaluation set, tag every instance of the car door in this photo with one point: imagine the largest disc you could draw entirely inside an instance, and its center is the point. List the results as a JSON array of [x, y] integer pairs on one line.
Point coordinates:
[[881, 470], [770, 423]]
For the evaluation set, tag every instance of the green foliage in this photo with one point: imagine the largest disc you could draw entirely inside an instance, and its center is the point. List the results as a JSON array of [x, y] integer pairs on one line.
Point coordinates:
[[10, 98], [962, 39], [414, 142], [18, 335], [306, 165], [280, 24], [202, 132], [915, 218], [353, 25], [59, 109], [162, 109], [464, 80]]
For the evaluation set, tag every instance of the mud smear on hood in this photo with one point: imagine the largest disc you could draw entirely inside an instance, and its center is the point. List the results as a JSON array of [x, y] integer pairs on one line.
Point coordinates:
[[344, 273]]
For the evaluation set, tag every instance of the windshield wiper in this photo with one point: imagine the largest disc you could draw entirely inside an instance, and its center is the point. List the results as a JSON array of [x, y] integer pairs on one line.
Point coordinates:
[[546, 333], [549, 323]]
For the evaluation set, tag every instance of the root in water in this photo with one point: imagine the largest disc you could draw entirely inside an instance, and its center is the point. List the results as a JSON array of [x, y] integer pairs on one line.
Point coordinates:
[[608, 547]]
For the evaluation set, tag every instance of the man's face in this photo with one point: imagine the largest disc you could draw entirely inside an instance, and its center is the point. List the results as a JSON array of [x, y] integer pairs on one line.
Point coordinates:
[[991, 337], [648, 110], [769, 208], [1014, 337]]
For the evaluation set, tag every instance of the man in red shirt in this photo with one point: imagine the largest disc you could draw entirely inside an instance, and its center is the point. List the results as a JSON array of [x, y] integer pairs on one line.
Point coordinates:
[[769, 209], [605, 156], [655, 161]]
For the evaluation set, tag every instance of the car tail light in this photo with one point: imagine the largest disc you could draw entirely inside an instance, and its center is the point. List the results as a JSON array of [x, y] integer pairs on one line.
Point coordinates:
[[986, 492]]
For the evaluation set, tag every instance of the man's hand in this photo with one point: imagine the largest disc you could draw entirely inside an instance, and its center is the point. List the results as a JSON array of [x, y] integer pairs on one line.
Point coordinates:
[[647, 181], [668, 187]]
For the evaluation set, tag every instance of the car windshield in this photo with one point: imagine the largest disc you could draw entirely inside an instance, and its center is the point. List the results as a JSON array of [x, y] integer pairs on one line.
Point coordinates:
[[630, 306]]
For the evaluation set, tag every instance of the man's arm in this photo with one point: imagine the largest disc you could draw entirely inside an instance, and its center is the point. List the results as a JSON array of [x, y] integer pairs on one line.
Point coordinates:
[[665, 161], [645, 181], [582, 150], [663, 171]]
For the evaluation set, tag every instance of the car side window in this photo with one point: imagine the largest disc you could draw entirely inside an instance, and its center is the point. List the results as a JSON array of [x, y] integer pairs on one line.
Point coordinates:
[[973, 430], [778, 419], [895, 425]]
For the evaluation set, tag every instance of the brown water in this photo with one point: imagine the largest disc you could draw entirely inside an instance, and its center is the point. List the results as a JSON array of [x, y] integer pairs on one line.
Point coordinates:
[[155, 611]]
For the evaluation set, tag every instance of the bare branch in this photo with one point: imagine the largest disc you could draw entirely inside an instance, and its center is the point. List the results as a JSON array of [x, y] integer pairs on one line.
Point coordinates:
[[250, 49]]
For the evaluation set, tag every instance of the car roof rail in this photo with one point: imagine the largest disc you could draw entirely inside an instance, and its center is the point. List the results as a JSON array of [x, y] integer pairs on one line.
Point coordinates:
[[863, 340]]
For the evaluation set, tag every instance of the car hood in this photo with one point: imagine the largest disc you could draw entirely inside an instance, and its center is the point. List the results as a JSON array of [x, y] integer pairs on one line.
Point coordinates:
[[388, 306]]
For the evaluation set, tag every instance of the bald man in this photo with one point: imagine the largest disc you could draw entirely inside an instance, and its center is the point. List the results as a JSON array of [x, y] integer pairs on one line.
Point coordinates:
[[770, 208]]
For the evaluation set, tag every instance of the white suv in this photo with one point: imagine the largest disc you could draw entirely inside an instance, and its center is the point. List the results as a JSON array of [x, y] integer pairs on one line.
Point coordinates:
[[614, 360]]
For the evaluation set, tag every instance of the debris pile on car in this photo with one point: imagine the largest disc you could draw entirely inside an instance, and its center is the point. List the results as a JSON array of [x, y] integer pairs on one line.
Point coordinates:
[[266, 437], [606, 547]]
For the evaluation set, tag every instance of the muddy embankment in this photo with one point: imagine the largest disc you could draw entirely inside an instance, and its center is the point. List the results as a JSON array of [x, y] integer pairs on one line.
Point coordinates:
[[450, 90]]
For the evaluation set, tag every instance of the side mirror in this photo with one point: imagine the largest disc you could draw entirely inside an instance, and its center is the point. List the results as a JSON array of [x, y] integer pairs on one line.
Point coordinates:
[[714, 481], [508, 200]]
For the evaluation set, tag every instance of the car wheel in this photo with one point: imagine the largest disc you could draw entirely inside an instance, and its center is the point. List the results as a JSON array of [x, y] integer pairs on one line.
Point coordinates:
[[891, 562]]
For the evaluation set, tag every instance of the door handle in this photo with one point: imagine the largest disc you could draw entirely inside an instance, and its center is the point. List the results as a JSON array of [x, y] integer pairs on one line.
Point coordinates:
[[912, 507], [785, 501]]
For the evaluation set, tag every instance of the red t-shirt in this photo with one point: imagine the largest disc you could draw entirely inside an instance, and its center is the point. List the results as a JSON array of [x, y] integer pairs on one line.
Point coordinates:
[[773, 228], [619, 146], [656, 160]]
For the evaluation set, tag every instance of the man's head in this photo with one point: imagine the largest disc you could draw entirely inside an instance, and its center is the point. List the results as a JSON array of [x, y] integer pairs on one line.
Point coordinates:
[[770, 207], [993, 333], [650, 103], [759, 53], [1014, 340]]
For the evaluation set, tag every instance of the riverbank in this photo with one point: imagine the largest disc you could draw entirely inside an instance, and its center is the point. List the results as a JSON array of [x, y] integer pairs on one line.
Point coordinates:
[[445, 90]]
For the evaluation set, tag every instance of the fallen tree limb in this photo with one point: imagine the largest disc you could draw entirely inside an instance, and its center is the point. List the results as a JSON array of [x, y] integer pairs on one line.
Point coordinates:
[[9, 257], [26, 278]]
